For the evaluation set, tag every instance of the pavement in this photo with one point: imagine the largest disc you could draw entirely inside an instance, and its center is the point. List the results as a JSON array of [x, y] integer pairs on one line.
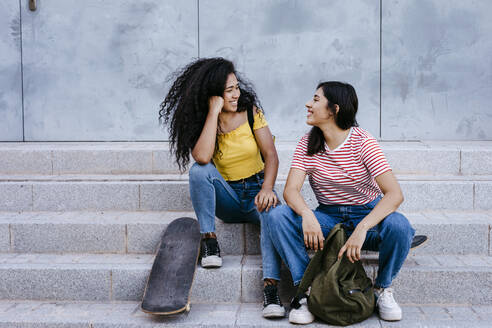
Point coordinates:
[[127, 314]]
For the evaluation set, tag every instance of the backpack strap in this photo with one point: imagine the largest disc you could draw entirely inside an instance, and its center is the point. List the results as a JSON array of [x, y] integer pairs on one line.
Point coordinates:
[[313, 268], [315, 264], [251, 120]]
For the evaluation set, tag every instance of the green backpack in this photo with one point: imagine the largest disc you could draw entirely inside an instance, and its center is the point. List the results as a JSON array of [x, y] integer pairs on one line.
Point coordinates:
[[341, 293]]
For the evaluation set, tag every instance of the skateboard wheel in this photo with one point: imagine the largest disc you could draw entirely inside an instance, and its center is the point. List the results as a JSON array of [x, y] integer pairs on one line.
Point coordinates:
[[188, 308]]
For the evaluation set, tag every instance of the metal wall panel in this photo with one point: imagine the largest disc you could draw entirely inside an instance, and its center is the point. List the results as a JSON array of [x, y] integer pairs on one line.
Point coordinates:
[[285, 47], [437, 70], [10, 71], [96, 70]]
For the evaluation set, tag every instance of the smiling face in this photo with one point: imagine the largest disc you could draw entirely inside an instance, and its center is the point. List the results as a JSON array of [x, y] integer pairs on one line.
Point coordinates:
[[317, 109], [231, 93]]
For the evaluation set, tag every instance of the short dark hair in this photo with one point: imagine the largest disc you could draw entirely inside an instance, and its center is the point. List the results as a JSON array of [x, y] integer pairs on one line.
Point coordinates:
[[343, 95]]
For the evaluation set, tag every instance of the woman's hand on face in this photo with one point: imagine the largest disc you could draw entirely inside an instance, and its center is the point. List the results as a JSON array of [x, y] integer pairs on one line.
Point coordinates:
[[265, 199], [354, 245], [215, 104], [313, 236]]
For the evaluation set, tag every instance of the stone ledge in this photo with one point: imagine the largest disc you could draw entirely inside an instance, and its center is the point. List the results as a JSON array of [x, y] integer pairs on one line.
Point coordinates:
[[103, 278], [138, 232], [128, 314], [459, 157], [160, 194]]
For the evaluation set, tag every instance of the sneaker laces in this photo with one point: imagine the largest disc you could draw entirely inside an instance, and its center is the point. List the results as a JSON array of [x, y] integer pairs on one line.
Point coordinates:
[[296, 301], [270, 296], [210, 247]]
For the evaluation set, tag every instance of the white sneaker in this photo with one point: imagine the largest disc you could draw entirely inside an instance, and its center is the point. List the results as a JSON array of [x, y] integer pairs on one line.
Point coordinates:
[[388, 309], [301, 315], [211, 261]]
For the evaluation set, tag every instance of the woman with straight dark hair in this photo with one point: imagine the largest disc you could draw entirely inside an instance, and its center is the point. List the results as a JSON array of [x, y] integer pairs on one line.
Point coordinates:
[[209, 109], [354, 185]]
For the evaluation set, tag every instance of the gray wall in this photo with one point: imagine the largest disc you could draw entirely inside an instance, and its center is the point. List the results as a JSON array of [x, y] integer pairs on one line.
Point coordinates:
[[437, 70], [96, 70], [10, 71]]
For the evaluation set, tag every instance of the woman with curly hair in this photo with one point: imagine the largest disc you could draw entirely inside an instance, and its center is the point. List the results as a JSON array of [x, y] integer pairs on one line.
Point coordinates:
[[212, 113]]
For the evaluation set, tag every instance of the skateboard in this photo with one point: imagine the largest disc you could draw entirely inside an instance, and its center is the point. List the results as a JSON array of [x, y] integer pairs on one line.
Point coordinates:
[[169, 284]]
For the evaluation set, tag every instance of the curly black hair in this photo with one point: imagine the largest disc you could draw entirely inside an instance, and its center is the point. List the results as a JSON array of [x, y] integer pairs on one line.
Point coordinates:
[[185, 108]]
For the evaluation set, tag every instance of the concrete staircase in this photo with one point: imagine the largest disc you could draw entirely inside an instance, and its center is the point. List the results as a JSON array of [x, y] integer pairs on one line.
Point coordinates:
[[79, 223]]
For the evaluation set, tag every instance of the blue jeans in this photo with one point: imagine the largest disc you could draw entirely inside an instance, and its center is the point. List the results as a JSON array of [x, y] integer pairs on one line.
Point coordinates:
[[212, 196], [283, 227]]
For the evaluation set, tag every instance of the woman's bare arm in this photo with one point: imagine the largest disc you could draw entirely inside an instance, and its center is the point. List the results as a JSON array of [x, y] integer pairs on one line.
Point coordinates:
[[266, 198], [204, 148], [390, 202], [313, 235]]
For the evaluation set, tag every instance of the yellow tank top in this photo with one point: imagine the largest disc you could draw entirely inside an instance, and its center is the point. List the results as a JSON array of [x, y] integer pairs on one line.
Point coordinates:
[[239, 155]]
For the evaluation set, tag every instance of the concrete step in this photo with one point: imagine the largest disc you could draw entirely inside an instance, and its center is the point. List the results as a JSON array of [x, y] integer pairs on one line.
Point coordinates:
[[444, 279], [139, 232], [170, 192], [107, 232], [429, 157], [128, 314]]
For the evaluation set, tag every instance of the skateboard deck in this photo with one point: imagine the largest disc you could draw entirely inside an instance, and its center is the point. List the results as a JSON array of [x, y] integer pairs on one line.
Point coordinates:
[[168, 288]]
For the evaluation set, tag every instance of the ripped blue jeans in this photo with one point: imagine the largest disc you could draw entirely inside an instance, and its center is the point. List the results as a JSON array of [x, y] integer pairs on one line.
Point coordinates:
[[212, 196]]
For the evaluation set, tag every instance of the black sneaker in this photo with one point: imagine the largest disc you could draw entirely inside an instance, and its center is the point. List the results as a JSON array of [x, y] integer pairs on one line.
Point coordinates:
[[418, 241], [210, 253], [272, 307]]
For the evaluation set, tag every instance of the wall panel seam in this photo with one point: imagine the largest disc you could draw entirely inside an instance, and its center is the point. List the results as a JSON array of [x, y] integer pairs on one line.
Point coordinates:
[[380, 68], [198, 25], [22, 71]]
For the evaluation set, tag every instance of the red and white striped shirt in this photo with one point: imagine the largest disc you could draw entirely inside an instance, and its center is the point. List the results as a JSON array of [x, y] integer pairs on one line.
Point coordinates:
[[345, 175]]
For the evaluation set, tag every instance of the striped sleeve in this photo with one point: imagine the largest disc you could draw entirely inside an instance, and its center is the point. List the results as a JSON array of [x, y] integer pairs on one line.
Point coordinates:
[[299, 159], [373, 157]]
